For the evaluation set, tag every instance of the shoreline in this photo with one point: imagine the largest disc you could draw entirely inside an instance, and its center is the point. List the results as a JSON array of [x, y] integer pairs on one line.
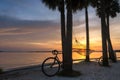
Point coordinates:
[[39, 65], [89, 70], [35, 66]]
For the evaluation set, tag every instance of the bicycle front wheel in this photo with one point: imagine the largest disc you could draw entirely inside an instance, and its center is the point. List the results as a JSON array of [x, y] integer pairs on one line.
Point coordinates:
[[50, 66]]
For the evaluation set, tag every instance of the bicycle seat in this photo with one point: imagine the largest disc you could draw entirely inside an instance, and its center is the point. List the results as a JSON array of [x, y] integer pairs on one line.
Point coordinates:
[[54, 52]]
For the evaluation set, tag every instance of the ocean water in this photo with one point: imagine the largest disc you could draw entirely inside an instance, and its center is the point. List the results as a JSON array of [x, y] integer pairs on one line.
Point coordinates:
[[10, 60]]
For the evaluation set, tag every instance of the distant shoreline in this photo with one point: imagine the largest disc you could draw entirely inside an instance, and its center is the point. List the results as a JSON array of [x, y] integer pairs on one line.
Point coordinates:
[[59, 51], [25, 51]]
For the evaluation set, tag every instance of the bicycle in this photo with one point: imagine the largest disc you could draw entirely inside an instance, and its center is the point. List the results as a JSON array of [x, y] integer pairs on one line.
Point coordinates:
[[51, 65], [100, 60]]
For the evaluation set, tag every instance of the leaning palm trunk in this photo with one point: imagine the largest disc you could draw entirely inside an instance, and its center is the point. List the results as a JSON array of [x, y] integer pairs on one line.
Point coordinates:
[[112, 55], [103, 27], [87, 35]]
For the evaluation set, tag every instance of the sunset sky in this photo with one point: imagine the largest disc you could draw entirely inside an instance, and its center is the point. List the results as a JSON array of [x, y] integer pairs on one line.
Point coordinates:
[[30, 25]]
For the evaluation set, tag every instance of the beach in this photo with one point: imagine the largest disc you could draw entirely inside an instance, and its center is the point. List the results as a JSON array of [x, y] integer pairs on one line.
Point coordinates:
[[89, 71]]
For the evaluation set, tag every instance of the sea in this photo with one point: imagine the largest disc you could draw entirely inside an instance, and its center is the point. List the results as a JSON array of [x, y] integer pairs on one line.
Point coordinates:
[[11, 60]]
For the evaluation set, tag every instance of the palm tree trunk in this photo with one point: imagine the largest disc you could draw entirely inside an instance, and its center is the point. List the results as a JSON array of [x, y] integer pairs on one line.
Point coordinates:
[[103, 28], [87, 35], [68, 55], [63, 32], [112, 55]]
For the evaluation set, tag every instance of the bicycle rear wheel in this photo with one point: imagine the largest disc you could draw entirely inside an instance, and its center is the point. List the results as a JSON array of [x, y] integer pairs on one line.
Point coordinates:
[[100, 60], [50, 66]]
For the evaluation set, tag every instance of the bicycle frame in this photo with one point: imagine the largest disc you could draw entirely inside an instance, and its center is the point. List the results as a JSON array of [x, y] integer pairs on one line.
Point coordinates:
[[57, 58]]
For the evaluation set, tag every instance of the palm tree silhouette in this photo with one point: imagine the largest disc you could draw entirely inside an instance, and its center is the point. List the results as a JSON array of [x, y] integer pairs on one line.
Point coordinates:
[[69, 36], [87, 2], [111, 9], [59, 4], [100, 7], [66, 33], [104, 34]]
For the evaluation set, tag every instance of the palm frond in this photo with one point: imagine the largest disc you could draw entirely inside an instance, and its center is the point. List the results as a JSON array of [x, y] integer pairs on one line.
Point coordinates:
[[52, 4]]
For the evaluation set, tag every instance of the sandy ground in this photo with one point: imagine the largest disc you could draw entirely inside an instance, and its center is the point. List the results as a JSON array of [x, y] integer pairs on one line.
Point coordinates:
[[90, 71]]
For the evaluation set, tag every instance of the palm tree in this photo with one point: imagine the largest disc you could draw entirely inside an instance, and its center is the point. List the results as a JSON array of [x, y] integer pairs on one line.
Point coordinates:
[[111, 9], [59, 4], [100, 7], [69, 36], [68, 69], [66, 33], [63, 32], [103, 27], [87, 2]]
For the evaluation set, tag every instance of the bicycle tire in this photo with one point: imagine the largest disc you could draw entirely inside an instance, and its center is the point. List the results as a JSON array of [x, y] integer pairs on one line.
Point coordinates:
[[50, 66], [100, 60]]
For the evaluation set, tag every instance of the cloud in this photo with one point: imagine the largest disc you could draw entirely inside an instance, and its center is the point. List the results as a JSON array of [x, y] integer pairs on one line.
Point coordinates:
[[7, 21], [27, 10], [13, 31], [13, 26], [19, 32]]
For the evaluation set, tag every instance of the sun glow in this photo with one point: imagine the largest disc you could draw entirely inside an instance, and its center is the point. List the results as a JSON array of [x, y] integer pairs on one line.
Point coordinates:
[[47, 45], [79, 44], [77, 55]]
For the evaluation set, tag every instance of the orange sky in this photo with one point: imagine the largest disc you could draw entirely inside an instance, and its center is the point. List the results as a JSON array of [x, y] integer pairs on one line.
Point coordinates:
[[30, 27]]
